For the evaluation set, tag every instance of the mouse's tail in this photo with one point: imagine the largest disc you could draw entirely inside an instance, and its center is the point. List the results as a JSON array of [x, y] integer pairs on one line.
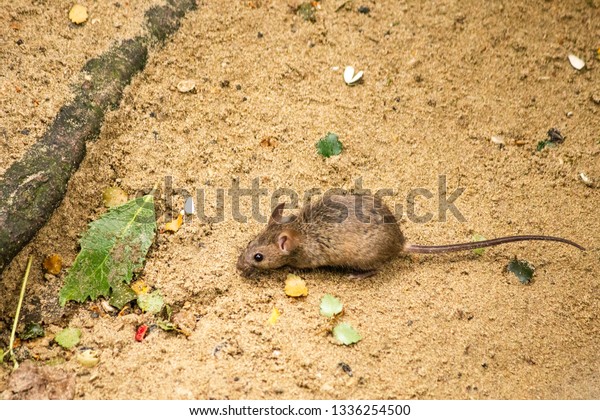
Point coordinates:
[[439, 249]]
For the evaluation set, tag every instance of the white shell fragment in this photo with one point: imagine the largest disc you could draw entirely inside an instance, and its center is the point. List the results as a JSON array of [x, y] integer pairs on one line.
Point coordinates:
[[586, 179], [186, 86], [350, 78], [499, 140], [189, 207], [576, 62]]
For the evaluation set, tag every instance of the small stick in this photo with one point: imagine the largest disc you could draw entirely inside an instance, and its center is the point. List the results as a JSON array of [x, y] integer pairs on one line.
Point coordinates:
[[16, 320]]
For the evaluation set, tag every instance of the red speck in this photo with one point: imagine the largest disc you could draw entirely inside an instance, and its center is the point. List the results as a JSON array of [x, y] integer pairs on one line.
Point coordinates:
[[141, 332]]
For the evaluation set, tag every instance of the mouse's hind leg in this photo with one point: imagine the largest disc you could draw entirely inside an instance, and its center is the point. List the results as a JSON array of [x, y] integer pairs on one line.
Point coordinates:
[[357, 275]]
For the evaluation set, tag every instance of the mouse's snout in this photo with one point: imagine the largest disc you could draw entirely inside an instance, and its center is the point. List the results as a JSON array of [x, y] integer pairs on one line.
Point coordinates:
[[243, 267]]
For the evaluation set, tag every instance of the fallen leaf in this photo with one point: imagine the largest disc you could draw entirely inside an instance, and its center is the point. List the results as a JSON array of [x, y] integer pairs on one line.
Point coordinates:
[[522, 269], [139, 287], [151, 303], [31, 331], [295, 286], [78, 14], [329, 145], [53, 264], [330, 306], [307, 11], [476, 238], [175, 224], [275, 314], [68, 338], [114, 196], [112, 249], [346, 334], [33, 381]]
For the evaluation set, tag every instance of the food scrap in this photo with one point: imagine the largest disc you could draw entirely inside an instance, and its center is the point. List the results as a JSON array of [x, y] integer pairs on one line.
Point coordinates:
[[141, 332]]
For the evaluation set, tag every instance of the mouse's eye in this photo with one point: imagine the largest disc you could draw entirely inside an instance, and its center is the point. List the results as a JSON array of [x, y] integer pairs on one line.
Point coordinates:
[[258, 257]]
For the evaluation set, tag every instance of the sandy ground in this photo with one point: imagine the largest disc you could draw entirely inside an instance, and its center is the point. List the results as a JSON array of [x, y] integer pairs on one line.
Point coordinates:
[[440, 79]]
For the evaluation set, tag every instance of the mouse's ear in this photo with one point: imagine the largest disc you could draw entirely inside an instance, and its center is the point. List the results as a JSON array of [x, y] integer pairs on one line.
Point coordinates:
[[277, 214], [288, 241]]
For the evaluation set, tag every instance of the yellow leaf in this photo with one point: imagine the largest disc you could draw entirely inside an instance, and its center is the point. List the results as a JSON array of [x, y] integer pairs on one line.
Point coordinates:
[[53, 264], [78, 14], [139, 287], [174, 225], [114, 196], [275, 314], [295, 286]]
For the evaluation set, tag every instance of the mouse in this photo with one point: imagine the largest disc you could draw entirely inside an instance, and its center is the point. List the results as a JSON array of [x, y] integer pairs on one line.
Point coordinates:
[[355, 232]]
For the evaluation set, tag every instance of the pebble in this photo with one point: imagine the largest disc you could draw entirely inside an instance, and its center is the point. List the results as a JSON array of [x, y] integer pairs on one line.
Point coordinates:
[[186, 86]]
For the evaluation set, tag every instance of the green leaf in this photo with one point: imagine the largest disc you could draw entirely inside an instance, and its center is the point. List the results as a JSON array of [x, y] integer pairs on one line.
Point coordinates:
[[31, 331], [330, 306], [541, 145], [112, 249], [68, 338], [476, 238], [307, 12], [329, 145], [346, 334], [522, 269], [151, 302], [166, 325]]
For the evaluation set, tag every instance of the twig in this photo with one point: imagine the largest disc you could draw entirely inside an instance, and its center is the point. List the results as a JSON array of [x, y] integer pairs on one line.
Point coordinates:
[[17, 314]]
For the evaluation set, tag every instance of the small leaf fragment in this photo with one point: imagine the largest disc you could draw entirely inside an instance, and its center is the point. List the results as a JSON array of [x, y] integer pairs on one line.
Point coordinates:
[[78, 14], [275, 314], [346, 334], [151, 303], [307, 11], [88, 358], [476, 238], [554, 138], [174, 225], [113, 197], [32, 331], [330, 306], [329, 145], [166, 325], [140, 287], [53, 264], [295, 286], [522, 269], [68, 338]]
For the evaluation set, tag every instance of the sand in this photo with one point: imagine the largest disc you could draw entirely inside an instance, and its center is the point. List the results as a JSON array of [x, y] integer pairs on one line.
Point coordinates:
[[440, 80]]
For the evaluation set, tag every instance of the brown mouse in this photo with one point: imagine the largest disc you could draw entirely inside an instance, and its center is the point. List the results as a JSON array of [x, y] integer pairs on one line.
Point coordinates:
[[356, 232]]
